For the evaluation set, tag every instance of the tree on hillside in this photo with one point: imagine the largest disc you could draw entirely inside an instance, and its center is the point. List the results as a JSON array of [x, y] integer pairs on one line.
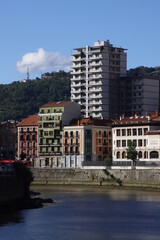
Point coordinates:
[[131, 152]]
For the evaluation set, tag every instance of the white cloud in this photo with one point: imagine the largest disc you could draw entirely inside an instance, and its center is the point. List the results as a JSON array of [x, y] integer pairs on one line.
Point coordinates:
[[42, 60]]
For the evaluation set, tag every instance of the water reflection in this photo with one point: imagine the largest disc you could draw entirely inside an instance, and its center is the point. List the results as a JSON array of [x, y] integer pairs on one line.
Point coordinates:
[[10, 218], [82, 213]]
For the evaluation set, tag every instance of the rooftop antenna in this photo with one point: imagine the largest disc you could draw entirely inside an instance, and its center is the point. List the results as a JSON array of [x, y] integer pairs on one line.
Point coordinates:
[[27, 73]]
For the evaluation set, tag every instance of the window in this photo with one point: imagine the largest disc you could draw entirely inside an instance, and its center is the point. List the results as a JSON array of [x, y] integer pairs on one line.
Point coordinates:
[[135, 143], [50, 133], [118, 143], [66, 134], [123, 132], [145, 154], [99, 141], [76, 141], [140, 142], [128, 132], [105, 134], [77, 134], [99, 133], [154, 154], [118, 132], [123, 155], [145, 130], [118, 155], [76, 150], [144, 142], [123, 143], [71, 134], [66, 149], [134, 131], [28, 137], [71, 149], [104, 142], [100, 149], [140, 154], [139, 131]]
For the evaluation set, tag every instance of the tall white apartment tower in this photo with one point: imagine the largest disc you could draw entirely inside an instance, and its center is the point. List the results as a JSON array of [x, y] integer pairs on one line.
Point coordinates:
[[92, 72]]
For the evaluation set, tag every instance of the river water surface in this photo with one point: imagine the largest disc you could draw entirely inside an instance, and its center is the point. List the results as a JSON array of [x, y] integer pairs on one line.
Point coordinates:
[[82, 213]]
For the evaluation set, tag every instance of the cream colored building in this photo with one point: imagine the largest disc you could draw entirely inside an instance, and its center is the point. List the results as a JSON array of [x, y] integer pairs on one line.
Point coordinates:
[[87, 142], [142, 131]]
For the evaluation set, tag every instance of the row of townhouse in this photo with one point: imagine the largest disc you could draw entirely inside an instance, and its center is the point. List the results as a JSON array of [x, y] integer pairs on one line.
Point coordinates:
[[58, 137]]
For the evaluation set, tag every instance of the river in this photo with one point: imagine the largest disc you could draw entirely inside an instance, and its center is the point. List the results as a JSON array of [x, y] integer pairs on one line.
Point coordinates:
[[84, 213]]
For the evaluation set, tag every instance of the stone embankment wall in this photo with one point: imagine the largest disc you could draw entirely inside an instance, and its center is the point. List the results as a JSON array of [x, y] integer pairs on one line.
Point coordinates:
[[90, 176], [11, 187]]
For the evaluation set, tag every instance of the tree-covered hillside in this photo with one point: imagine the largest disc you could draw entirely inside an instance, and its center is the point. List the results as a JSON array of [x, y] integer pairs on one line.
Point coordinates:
[[20, 99], [152, 71]]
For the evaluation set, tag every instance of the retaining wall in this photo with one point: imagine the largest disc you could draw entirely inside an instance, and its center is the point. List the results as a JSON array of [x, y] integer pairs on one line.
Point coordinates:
[[49, 176]]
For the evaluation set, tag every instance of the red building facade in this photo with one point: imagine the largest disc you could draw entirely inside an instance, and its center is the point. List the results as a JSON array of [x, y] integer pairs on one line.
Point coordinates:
[[27, 147]]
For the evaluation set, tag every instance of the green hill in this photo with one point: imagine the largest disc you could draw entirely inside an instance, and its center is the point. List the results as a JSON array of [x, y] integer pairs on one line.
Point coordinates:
[[20, 99], [152, 71]]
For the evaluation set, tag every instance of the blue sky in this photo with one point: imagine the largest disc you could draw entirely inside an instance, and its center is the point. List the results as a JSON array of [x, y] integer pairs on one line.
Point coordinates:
[[42, 33]]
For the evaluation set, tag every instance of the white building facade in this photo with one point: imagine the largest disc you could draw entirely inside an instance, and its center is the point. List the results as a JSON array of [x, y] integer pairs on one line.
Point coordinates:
[[92, 70], [142, 131]]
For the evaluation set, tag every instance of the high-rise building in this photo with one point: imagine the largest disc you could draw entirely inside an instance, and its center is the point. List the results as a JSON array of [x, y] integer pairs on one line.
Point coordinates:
[[93, 69], [136, 95]]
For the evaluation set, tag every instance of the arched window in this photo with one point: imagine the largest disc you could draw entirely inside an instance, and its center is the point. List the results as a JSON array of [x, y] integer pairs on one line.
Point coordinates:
[[145, 154], [123, 155], [140, 154], [118, 155], [154, 154]]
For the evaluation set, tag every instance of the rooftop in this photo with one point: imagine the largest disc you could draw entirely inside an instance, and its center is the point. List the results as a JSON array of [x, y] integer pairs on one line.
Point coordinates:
[[152, 118], [56, 104], [90, 121], [29, 121]]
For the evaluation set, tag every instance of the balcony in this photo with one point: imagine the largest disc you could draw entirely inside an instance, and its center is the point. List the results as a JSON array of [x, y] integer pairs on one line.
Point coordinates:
[[75, 91], [79, 78], [76, 85], [97, 115], [95, 90], [76, 97], [76, 66], [95, 83], [96, 109], [95, 70], [95, 96], [97, 76], [95, 103], [99, 56], [76, 72], [95, 64]]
